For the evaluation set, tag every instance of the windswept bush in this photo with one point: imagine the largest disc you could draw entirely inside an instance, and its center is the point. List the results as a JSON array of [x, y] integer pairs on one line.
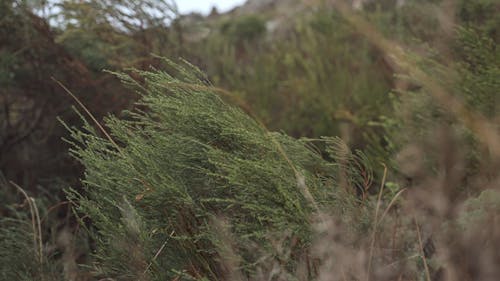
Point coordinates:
[[169, 173]]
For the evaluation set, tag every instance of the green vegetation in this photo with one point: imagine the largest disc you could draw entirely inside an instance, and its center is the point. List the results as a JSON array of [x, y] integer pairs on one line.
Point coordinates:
[[317, 142], [184, 161]]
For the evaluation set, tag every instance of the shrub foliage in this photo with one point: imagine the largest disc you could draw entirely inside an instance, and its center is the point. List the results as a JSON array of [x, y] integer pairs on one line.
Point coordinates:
[[155, 191]]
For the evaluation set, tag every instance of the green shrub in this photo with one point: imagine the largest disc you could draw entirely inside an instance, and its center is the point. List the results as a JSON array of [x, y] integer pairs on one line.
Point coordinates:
[[246, 28], [155, 193]]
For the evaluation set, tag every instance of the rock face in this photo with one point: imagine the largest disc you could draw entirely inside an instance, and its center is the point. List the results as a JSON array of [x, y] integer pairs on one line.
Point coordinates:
[[195, 27], [254, 6], [262, 6], [281, 12], [276, 12]]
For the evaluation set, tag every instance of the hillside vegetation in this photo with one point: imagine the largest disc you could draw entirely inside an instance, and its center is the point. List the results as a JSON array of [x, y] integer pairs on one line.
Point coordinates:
[[283, 140]]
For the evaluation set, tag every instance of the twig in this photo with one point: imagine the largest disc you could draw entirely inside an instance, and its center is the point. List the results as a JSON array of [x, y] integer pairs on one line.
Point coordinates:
[[50, 209], [393, 200], [157, 253], [427, 274], [374, 233], [88, 113]]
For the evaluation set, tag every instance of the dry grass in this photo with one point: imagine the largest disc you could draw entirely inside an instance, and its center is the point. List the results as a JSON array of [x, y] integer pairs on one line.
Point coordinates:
[[36, 226]]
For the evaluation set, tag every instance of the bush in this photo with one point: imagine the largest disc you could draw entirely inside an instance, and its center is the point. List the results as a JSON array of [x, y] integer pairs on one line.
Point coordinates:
[[246, 28], [156, 192]]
